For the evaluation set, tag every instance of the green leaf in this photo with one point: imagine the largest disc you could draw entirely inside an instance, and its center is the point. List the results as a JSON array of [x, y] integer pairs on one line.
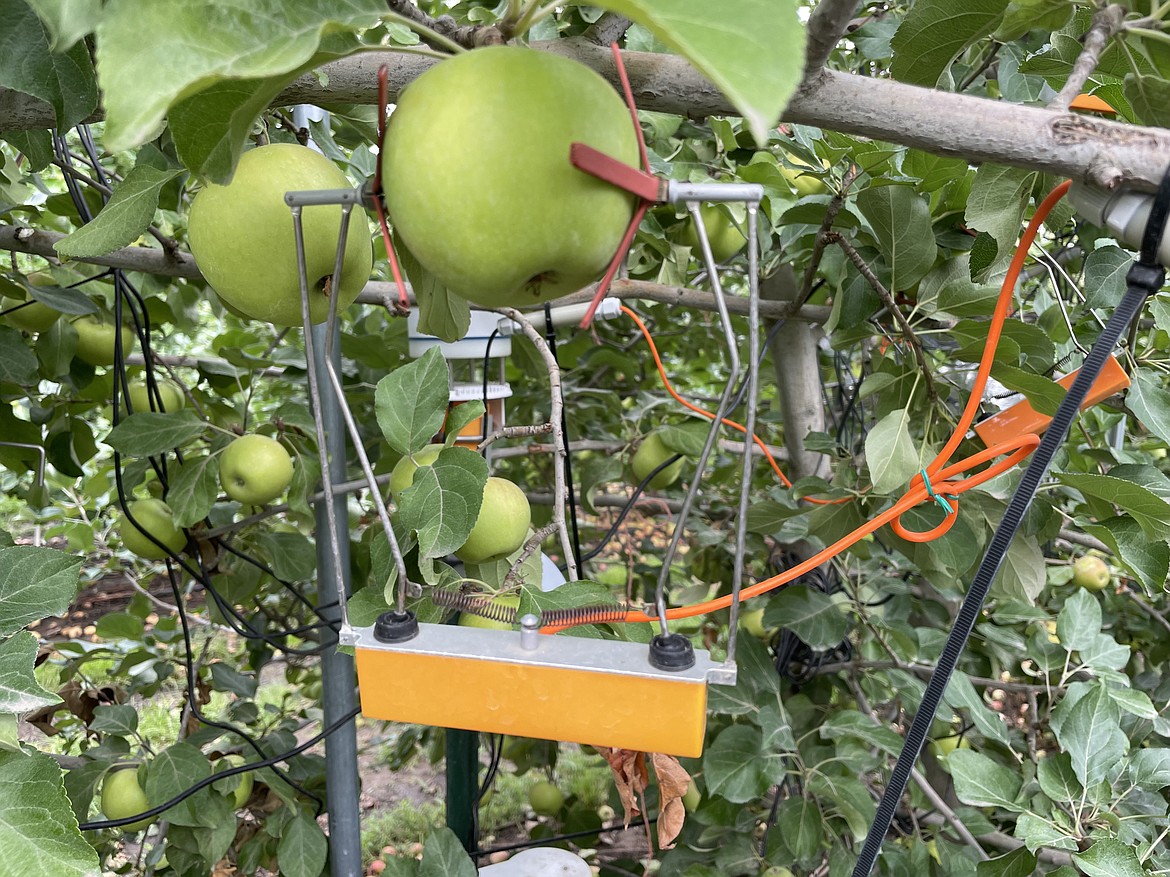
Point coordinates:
[[442, 505], [67, 20], [1148, 560], [36, 146], [19, 690], [64, 81], [444, 856], [67, 301], [1090, 732], [1150, 403], [411, 402], [934, 33], [174, 770], [803, 827], [125, 217], [9, 735], [202, 42], [685, 438], [851, 723], [35, 583], [1044, 394], [1150, 511], [38, 830], [996, 206], [737, 767], [890, 452], [809, 613], [147, 433], [1017, 863], [1150, 98], [120, 625], [753, 52], [460, 416], [900, 219], [1109, 857], [1150, 769], [293, 556], [441, 313], [118, 719], [1057, 778], [1079, 621], [1105, 271], [981, 782], [227, 678], [18, 365], [192, 490], [303, 848], [1036, 833]]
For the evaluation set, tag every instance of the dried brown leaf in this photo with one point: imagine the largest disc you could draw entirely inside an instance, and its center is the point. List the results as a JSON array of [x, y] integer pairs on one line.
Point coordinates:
[[629, 775], [673, 782]]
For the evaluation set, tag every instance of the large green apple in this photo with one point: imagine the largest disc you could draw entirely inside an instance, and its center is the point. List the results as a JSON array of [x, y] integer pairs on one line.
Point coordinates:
[[255, 469], [502, 525], [34, 316], [155, 517], [172, 396], [805, 182], [651, 454], [402, 475], [724, 235], [122, 796], [242, 236], [95, 340], [478, 180]]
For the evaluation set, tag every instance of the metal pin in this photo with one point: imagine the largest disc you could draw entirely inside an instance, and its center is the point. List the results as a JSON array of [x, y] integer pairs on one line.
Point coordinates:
[[529, 631]]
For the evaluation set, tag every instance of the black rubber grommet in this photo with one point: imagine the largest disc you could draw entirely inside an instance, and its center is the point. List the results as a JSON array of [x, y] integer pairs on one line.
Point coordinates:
[[396, 627], [672, 652]]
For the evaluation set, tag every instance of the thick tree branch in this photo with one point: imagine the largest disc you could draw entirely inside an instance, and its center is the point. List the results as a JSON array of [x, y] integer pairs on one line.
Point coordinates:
[[1107, 23], [977, 129], [827, 24]]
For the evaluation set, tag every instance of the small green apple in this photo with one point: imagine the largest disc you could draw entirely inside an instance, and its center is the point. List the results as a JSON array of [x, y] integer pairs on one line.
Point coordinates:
[[1091, 573], [944, 746], [402, 475], [95, 340], [724, 235], [518, 225], [242, 236], [651, 454], [173, 398], [502, 525], [255, 469], [546, 799], [243, 789], [692, 798], [753, 622], [122, 796], [470, 619], [802, 181], [153, 516]]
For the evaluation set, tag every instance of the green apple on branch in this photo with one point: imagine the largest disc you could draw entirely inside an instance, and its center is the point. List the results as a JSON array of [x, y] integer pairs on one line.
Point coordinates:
[[546, 799], [243, 789], [241, 236], [470, 619], [255, 469], [496, 212], [151, 516], [652, 453], [122, 796], [172, 396], [724, 236], [1091, 573], [31, 315], [502, 525], [95, 339]]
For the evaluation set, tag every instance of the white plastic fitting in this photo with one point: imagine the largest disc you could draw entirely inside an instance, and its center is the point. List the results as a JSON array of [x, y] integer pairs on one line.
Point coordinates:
[[565, 315], [539, 863], [1123, 212]]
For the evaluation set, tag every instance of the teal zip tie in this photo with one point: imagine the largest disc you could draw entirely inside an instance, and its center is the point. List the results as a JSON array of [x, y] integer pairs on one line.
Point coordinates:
[[941, 500]]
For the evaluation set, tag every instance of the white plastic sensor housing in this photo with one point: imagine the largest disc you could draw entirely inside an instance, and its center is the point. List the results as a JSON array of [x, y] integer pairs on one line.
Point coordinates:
[[1123, 212]]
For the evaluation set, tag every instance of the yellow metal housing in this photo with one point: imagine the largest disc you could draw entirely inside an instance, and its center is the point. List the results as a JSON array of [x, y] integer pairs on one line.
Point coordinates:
[[599, 692]]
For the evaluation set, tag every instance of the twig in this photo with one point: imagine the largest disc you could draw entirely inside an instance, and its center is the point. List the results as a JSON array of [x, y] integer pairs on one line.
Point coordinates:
[[1107, 23], [992, 54], [1002, 841], [560, 489], [827, 24], [530, 546], [941, 806], [79, 175], [169, 369], [1084, 540], [610, 28], [925, 670], [1147, 608], [445, 32], [888, 301], [507, 432], [819, 243]]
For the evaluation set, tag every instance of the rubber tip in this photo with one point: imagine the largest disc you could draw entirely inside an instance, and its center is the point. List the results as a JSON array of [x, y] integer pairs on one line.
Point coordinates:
[[396, 627], [671, 652]]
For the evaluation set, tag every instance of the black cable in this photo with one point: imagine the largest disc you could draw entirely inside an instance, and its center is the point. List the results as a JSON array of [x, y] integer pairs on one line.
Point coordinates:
[[487, 362], [545, 841], [99, 824], [1145, 278], [550, 336]]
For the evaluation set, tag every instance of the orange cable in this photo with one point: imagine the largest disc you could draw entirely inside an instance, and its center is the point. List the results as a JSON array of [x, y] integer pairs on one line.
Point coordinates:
[[938, 471]]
